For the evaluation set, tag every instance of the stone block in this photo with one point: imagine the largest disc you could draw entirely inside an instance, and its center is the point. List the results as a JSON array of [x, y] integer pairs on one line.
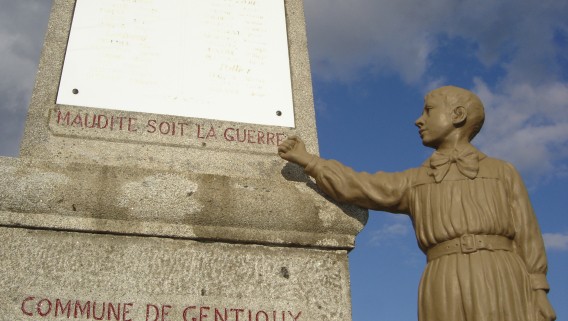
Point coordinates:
[[82, 276]]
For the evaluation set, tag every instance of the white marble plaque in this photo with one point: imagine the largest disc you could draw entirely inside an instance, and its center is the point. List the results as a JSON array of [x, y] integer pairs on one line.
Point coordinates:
[[216, 59]]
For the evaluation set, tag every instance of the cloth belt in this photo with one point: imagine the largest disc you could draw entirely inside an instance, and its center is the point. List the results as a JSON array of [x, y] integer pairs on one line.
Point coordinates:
[[470, 243]]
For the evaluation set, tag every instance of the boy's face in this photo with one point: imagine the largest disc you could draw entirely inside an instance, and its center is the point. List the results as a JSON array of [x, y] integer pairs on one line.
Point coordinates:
[[435, 124]]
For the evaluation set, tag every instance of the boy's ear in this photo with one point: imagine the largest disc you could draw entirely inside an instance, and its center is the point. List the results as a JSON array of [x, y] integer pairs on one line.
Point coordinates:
[[459, 115]]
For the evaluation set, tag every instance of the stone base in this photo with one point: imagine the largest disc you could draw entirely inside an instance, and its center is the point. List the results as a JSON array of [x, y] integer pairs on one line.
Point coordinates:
[[81, 276], [98, 242]]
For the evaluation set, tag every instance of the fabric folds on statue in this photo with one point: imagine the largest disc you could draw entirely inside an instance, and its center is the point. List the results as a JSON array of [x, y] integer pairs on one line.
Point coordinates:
[[484, 285]]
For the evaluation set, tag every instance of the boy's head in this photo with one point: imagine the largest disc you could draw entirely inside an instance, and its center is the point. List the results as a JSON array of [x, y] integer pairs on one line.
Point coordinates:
[[464, 109]]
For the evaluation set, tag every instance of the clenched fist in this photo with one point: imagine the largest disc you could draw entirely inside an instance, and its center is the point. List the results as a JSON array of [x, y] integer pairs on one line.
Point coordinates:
[[293, 150]]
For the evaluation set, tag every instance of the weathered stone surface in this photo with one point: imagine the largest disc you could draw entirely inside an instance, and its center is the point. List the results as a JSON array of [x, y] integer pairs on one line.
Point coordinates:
[[139, 271], [160, 215], [91, 169], [169, 203]]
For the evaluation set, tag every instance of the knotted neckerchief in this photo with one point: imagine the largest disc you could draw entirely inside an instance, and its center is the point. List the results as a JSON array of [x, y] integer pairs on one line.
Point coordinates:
[[466, 160]]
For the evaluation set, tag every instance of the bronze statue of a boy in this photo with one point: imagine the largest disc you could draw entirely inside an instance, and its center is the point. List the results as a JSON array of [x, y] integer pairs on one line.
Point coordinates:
[[471, 214]]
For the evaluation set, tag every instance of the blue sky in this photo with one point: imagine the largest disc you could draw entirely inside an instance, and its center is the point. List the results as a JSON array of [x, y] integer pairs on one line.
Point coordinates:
[[372, 62]]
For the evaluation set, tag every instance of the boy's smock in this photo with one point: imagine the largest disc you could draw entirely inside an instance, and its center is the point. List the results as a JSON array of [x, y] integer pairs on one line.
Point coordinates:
[[477, 227]]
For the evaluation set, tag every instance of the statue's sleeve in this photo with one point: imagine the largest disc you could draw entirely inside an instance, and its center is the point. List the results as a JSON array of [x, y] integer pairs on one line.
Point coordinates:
[[528, 238], [380, 191]]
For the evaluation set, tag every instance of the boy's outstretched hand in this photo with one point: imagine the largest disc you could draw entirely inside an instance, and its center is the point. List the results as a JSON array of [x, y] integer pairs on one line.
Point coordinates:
[[293, 150]]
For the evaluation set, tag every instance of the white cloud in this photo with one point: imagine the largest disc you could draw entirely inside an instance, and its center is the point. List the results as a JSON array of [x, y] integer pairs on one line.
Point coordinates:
[[527, 106], [528, 126], [398, 228], [22, 28], [556, 241], [346, 37], [398, 37]]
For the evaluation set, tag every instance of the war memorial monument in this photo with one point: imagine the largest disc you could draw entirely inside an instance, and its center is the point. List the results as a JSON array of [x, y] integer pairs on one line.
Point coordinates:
[[148, 186]]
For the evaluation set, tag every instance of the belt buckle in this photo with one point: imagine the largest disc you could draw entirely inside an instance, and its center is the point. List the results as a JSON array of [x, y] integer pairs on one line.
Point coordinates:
[[468, 244]]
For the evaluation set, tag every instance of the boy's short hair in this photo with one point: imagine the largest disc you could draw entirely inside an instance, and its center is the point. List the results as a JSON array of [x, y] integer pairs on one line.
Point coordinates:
[[454, 96]]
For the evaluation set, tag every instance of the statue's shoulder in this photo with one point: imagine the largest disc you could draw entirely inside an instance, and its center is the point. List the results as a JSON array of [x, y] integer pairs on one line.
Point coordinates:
[[491, 167], [419, 175]]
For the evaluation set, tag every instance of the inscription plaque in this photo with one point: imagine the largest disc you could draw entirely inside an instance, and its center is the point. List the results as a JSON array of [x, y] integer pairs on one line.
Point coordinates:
[[217, 59]]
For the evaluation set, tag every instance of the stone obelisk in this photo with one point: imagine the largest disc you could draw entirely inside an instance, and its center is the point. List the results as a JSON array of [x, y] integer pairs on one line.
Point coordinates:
[[148, 185]]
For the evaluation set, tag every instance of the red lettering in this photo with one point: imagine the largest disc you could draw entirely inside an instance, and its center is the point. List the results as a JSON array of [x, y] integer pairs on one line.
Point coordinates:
[[269, 138], [125, 311], [239, 136], [120, 118], [237, 311], [164, 312], [295, 317], [279, 139], [260, 138], [78, 121], [229, 137], [156, 311], [186, 310], [102, 311], [26, 312], [211, 133], [108, 311], [202, 314], [59, 307], [167, 128], [83, 309], [181, 127], [94, 122], [66, 117], [40, 304], [152, 125], [115, 313], [100, 118], [250, 136], [199, 132], [265, 315], [131, 124], [250, 133], [219, 317]]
